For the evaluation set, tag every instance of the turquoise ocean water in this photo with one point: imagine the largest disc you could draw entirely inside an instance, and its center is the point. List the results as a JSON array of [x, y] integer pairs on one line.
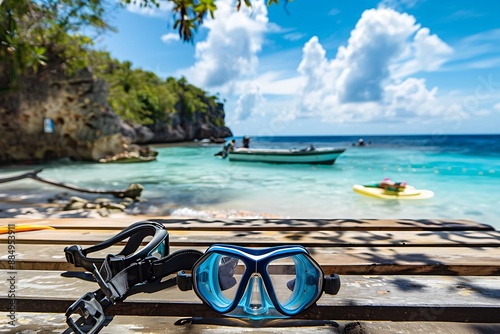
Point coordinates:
[[463, 171]]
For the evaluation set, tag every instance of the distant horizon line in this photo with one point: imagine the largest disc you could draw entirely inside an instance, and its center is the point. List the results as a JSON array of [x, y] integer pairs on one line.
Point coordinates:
[[374, 135]]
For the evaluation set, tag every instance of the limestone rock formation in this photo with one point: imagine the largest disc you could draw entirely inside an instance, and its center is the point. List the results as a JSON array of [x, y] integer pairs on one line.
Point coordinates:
[[53, 115], [181, 127], [138, 133]]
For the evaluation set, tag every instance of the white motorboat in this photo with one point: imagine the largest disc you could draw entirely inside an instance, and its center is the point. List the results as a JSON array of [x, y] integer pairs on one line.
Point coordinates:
[[311, 155]]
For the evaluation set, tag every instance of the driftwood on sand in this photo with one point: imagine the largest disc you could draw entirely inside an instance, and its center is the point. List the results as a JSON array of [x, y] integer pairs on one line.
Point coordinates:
[[133, 191]]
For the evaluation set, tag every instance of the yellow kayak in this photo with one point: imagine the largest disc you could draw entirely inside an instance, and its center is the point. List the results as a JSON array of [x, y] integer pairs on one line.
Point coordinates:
[[25, 228], [408, 193]]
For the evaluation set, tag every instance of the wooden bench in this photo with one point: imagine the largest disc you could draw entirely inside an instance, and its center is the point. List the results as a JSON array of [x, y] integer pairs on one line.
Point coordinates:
[[430, 276]]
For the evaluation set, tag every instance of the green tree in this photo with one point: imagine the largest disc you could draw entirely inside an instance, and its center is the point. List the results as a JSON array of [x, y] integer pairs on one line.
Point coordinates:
[[136, 95], [140, 96], [189, 14], [38, 34]]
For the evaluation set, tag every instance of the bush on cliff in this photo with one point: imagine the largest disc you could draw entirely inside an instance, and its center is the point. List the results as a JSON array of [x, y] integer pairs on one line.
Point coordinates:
[[142, 97]]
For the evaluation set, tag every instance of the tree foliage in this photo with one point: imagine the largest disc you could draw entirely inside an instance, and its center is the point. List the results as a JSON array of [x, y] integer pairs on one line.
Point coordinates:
[[140, 96], [189, 14], [38, 34]]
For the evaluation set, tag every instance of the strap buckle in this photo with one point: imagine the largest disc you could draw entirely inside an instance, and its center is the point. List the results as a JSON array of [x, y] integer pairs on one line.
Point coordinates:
[[332, 284], [116, 287], [145, 271], [184, 281], [107, 288], [91, 318], [116, 263], [74, 255]]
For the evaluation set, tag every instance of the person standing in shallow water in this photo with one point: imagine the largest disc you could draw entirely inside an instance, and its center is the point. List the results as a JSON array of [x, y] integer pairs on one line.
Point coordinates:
[[229, 147], [246, 142]]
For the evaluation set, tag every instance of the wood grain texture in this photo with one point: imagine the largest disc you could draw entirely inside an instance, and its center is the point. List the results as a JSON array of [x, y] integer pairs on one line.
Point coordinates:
[[464, 261], [272, 238], [173, 224], [395, 298], [55, 323], [416, 272]]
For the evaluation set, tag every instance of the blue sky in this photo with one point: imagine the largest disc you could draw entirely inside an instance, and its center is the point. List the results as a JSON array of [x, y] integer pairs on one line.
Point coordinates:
[[329, 67]]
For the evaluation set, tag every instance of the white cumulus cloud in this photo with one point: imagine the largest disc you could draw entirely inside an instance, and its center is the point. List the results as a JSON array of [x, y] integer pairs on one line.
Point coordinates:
[[410, 97], [428, 53], [249, 102], [379, 37], [170, 37], [369, 77], [234, 38]]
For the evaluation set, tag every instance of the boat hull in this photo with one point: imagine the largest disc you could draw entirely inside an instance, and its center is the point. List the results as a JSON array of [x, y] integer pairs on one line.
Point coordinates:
[[320, 156]]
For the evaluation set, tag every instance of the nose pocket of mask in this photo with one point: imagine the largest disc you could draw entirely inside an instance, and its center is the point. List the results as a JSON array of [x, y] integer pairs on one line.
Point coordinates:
[[255, 296], [255, 303]]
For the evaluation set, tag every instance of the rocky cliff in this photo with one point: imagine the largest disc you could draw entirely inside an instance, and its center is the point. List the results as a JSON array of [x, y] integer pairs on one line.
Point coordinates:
[[52, 115], [181, 127]]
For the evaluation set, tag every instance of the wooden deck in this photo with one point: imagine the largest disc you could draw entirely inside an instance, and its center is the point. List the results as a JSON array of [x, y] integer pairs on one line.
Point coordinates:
[[429, 275]]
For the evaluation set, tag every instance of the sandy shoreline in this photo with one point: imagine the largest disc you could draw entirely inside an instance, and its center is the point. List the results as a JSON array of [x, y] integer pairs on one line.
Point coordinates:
[[55, 204], [30, 199]]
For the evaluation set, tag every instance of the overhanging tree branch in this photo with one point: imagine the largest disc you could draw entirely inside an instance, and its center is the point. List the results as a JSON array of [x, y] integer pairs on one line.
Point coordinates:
[[133, 191]]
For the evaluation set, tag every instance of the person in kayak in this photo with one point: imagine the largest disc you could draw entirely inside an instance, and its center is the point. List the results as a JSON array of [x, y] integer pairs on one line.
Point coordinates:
[[388, 184]]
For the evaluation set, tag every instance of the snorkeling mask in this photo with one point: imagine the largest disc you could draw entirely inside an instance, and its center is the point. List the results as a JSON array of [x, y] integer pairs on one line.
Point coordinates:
[[256, 284], [265, 283]]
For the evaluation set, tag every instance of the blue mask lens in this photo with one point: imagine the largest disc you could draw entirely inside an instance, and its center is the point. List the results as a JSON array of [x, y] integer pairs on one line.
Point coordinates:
[[275, 282]]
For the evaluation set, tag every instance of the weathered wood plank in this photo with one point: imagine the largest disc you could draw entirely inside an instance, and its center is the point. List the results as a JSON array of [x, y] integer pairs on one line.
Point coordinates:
[[271, 238], [463, 261], [381, 327], [340, 246], [55, 323], [366, 312], [266, 224], [356, 289], [395, 298]]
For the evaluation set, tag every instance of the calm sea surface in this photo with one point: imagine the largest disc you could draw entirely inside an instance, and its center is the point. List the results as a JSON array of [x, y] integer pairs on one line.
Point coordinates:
[[463, 171]]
